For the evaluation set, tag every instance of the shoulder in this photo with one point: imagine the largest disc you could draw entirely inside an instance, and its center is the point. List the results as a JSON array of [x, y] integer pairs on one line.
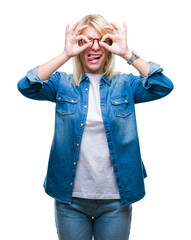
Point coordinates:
[[65, 79], [66, 85]]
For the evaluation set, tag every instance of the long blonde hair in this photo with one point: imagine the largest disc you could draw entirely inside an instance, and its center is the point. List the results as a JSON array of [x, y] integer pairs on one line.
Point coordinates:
[[98, 22]]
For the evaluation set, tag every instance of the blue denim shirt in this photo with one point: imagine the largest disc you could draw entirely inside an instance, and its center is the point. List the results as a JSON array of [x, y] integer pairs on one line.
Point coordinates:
[[117, 99]]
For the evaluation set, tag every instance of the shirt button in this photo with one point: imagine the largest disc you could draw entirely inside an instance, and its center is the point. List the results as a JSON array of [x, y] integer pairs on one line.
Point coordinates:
[[74, 163], [125, 100], [82, 124], [115, 102], [72, 100], [115, 167], [107, 128], [86, 89], [111, 147], [71, 183], [77, 144], [59, 98], [102, 91], [103, 109], [120, 186], [85, 106]]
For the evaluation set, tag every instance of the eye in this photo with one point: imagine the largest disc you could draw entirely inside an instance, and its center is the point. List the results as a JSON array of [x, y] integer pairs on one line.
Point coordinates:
[[108, 41], [81, 42], [90, 40]]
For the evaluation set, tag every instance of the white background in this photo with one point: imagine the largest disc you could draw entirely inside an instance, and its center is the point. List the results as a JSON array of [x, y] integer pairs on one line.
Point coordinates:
[[32, 32]]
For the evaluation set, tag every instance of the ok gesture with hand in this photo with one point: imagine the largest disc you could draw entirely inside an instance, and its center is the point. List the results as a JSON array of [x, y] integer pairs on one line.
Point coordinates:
[[119, 40], [72, 38]]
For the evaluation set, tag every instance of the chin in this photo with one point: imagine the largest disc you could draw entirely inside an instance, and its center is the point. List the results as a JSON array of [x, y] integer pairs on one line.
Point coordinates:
[[94, 69]]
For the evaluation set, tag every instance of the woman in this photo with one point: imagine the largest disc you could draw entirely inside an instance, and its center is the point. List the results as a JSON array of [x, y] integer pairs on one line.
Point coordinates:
[[95, 170]]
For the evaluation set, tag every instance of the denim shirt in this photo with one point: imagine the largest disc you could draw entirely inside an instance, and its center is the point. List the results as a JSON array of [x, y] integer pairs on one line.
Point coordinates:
[[117, 99]]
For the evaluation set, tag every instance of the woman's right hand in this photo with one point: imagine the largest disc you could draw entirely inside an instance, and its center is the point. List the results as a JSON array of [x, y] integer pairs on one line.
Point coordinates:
[[71, 49], [72, 38]]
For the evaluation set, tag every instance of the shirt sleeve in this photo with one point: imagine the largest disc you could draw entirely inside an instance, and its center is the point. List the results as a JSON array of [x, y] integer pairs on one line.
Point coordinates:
[[31, 86], [155, 86]]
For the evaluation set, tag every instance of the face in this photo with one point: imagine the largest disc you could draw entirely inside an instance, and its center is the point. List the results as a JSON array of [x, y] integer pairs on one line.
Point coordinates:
[[93, 58]]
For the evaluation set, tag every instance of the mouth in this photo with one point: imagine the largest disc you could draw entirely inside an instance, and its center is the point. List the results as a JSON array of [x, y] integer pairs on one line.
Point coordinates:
[[92, 57]]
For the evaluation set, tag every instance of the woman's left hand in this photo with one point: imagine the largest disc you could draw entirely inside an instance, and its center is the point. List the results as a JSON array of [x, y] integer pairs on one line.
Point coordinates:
[[119, 40]]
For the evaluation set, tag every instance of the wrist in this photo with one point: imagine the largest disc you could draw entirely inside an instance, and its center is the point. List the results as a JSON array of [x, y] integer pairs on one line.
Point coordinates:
[[65, 56], [128, 55]]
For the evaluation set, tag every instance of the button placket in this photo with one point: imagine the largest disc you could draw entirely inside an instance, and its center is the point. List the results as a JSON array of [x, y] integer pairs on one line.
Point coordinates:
[[109, 140], [85, 86]]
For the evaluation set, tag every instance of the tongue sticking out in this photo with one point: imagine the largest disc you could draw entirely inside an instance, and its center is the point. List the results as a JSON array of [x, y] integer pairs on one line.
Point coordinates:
[[90, 58], [93, 57]]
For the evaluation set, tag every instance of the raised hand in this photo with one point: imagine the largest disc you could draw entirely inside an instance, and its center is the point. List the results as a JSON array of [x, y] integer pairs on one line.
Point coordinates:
[[119, 40], [72, 38]]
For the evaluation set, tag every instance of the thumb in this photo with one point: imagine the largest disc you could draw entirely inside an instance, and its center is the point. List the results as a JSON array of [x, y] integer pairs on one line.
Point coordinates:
[[85, 46], [105, 45]]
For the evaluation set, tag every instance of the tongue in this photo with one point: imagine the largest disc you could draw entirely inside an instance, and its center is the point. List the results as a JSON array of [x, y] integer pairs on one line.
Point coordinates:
[[90, 58]]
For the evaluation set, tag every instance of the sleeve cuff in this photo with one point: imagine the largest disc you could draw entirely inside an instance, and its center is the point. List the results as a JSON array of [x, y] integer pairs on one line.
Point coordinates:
[[153, 69], [33, 77]]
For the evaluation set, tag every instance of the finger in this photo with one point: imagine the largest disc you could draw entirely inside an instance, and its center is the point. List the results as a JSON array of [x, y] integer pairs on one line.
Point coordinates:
[[81, 28], [80, 37], [116, 27], [105, 45], [106, 36], [109, 27], [67, 29], [85, 46], [125, 28], [74, 26]]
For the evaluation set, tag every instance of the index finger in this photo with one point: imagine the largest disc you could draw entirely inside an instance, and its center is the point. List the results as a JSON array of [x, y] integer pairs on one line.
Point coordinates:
[[81, 28], [116, 27], [125, 27], [74, 26]]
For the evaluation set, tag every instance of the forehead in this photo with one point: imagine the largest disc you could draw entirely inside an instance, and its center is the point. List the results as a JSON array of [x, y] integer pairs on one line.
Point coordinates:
[[90, 32]]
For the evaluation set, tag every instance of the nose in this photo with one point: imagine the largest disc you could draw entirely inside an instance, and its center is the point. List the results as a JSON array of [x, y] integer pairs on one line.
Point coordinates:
[[95, 45]]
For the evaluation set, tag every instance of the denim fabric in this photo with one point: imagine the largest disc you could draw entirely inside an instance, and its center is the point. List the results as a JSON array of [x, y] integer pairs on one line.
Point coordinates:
[[117, 98], [83, 218]]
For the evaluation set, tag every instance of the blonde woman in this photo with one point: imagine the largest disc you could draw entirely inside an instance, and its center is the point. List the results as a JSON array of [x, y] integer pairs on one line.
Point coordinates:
[[95, 171]]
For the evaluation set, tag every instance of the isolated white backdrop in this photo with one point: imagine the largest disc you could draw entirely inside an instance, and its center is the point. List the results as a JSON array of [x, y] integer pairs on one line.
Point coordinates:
[[32, 32]]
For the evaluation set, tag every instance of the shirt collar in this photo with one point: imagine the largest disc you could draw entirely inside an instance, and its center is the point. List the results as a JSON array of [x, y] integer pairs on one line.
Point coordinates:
[[104, 78]]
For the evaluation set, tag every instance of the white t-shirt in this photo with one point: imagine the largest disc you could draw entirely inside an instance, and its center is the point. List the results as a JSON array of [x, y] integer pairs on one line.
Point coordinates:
[[95, 177]]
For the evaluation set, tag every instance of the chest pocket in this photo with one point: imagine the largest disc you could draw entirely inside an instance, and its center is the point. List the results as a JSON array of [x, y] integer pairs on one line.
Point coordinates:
[[66, 104], [121, 106]]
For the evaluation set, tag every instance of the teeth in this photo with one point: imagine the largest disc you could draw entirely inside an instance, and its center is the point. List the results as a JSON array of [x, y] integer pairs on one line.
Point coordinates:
[[95, 56]]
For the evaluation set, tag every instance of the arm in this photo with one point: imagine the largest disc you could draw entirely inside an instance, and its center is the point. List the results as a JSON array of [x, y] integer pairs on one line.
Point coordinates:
[[152, 83], [71, 49], [120, 47], [41, 83], [152, 87], [47, 69], [141, 65]]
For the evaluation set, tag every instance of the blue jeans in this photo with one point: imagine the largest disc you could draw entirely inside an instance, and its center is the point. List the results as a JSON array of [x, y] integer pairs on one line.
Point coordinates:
[[105, 219]]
